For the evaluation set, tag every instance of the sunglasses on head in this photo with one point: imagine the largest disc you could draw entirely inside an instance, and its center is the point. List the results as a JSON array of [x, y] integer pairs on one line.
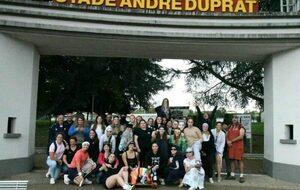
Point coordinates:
[[173, 149], [189, 152]]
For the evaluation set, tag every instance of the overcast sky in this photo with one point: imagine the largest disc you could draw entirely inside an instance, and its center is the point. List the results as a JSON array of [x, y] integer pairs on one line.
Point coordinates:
[[178, 95]]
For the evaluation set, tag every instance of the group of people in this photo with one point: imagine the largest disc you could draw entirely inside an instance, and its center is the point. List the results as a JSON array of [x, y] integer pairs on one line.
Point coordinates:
[[124, 153]]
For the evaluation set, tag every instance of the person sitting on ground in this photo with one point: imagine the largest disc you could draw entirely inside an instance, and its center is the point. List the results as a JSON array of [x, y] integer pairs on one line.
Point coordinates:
[[103, 156], [54, 160], [77, 164], [68, 156], [119, 179], [155, 163], [131, 160], [175, 166], [194, 173]]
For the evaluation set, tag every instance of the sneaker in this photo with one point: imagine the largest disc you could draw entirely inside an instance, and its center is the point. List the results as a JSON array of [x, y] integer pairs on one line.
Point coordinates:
[[162, 181], [211, 180], [66, 179], [219, 179], [242, 180], [52, 181], [231, 177], [192, 188], [86, 181], [180, 185]]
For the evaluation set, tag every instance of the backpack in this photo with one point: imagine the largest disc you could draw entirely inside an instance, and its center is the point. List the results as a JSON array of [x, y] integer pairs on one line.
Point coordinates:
[[55, 146]]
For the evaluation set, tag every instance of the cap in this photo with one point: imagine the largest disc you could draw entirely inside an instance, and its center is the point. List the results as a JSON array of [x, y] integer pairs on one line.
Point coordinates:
[[128, 125]]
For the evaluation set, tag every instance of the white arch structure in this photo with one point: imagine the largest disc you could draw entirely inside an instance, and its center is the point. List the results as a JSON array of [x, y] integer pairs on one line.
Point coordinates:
[[30, 29]]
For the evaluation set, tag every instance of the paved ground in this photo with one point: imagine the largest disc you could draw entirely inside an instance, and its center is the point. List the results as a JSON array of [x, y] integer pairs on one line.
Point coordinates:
[[255, 179], [37, 180]]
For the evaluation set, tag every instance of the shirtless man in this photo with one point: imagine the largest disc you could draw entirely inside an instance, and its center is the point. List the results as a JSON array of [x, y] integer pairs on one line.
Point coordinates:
[[194, 138]]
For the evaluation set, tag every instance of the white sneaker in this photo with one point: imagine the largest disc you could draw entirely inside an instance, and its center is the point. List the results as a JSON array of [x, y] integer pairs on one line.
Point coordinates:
[[66, 179], [126, 187], [219, 179], [52, 181], [211, 180], [191, 188], [162, 181], [86, 181]]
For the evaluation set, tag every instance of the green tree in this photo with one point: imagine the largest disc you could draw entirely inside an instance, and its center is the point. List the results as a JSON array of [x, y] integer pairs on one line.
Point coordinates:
[[223, 83], [117, 84]]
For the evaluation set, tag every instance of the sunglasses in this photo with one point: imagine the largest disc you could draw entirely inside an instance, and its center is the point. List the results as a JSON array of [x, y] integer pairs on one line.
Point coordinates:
[[188, 152], [173, 149]]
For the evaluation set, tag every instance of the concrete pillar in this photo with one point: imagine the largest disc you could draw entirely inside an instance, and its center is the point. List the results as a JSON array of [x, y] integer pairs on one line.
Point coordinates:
[[282, 120], [19, 67]]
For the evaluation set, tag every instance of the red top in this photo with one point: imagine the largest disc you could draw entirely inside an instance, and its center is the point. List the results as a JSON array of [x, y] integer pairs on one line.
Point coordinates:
[[81, 156], [101, 159]]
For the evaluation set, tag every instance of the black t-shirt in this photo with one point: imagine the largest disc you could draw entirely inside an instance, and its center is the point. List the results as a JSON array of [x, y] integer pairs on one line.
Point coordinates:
[[153, 159], [70, 154], [144, 138]]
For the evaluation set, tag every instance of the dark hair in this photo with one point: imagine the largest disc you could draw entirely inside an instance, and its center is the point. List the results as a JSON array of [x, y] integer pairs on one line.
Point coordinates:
[[96, 139], [96, 123], [60, 133], [107, 145], [164, 136], [219, 122], [74, 138]]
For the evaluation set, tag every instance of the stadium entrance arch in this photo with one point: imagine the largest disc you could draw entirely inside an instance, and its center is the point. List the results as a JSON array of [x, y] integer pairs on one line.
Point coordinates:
[[29, 29]]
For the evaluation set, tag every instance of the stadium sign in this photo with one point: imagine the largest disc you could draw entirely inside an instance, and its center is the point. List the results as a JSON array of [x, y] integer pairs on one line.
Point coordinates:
[[226, 6]]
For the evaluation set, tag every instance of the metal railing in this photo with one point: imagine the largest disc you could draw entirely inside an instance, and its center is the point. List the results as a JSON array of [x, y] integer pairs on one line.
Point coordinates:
[[13, 184], [289, 5]]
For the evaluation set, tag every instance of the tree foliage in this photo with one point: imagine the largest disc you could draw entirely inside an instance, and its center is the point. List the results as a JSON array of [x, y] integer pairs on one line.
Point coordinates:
[[223, 83], [117, 84]]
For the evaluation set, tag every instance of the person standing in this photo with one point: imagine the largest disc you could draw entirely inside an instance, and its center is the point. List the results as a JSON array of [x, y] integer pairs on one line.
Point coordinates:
[[235, 144], [58, 127], [164, 110], [79, 130], [208, 151], [220, 139], [193, 136], [142, 140]]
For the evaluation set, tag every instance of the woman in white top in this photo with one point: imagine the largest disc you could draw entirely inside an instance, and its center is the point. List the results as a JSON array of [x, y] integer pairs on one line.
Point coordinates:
[[194, 173], [98, 126], [107, 137], [54, 160], [219, 137]]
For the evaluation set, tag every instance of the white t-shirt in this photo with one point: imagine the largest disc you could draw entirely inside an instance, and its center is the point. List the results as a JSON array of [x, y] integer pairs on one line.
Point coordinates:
[[59, 151]]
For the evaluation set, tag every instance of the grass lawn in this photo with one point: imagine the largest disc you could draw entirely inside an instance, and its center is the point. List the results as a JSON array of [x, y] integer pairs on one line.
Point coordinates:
[[42, 133]]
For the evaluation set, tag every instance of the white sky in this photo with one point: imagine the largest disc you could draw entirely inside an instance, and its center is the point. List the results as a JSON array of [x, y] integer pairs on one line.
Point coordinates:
[[178, 95]]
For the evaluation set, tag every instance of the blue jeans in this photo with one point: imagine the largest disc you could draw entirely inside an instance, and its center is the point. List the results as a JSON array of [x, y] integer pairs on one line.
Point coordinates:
[[54, 168]]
